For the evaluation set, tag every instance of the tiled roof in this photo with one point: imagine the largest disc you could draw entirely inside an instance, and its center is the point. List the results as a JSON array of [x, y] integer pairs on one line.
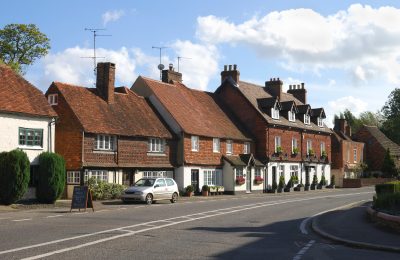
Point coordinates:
[[242, 160], [17, 95], [254, 92], [129, 115], [196, 112], [383, 140]]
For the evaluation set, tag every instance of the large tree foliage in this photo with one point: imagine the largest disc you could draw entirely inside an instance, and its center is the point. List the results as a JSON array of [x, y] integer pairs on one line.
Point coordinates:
[[391, 113], [21, 45], [365, 118], [388, 166]]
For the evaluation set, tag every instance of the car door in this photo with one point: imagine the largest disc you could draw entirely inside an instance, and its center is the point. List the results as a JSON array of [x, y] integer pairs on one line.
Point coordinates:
[[170, 187], [160, 189]]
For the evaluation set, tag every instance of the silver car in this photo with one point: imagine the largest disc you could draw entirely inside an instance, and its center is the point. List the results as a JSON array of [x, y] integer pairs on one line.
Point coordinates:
[[152, 189]]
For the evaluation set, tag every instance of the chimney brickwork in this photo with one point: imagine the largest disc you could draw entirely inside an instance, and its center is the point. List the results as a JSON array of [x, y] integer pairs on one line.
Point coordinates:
[[230, 71], [299, 92], [274, 87], [170, 75], [341, 125], [105, 80]]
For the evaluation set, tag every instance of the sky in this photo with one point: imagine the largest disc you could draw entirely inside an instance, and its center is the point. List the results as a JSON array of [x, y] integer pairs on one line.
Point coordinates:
[[346, 52]]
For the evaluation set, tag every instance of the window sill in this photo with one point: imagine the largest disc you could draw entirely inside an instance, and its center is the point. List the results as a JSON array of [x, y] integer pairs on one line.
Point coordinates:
[[155, 154], [104, 152], [194, 150], [30, 148]]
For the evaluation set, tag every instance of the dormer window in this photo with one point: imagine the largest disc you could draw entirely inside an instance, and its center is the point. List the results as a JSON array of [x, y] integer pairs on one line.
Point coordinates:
[[292, 116], [105, 142], [320, 121], [52, 99], [156, 145], [307, 119], [275, 112]]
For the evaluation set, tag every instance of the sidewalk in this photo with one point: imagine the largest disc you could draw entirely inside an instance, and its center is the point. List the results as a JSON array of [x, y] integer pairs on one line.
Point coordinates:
[[352, 227]]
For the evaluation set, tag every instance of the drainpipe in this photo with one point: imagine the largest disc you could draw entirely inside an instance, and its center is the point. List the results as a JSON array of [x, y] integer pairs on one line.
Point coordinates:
[[49, 139]]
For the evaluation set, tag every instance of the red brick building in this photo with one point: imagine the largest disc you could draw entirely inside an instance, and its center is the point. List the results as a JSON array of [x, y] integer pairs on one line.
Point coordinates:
[[290, 136], [109, 133], [376, 144], [346, 153], [210, 141]]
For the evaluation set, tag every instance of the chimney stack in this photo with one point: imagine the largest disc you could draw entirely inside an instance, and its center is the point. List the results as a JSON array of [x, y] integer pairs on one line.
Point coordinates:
[[341, 125], [299, 92], [170, 75], [274, 87], [105, 81], [233, 73]]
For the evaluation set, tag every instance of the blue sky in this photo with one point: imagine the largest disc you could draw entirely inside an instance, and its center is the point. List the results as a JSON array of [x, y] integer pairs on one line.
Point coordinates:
[[347, 53]]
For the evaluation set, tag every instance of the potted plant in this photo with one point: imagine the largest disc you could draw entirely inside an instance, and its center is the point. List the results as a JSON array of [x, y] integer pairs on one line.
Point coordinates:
[[322, 183], [220, 190], [213, 190], [189, 190], [311, 152], [314, 182], [295, 151], [324, 155], [204, 190], [274, 187], [240, 180], [279, 150], [258, 180], [289, 185], [332, 185], [299, 187], [281, 184]]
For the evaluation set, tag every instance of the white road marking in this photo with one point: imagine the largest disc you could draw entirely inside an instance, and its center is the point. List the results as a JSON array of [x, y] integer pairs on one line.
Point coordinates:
[[80, 213], [102, 210], [122, 208], [20, 220], [303, 250], [54, 216], [207, 214]]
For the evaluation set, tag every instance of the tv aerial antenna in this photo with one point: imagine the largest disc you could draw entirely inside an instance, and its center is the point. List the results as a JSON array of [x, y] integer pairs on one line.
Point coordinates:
[[179, 58], [160, 66], [94, 57]]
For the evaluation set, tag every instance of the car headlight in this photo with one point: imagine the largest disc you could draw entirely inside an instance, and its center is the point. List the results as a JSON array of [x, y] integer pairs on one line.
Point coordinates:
[[140, 192]]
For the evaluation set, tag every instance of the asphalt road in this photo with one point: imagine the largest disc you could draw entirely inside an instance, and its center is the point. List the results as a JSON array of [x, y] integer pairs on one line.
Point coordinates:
[[235, 227]]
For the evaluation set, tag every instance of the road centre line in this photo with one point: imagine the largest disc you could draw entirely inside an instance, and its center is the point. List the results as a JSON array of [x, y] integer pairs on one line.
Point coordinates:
[[20, 220], [205, 214], [303, 250], [54, 216]]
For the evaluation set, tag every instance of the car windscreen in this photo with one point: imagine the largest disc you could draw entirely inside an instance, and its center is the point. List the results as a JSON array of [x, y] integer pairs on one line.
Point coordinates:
[[145, 182]]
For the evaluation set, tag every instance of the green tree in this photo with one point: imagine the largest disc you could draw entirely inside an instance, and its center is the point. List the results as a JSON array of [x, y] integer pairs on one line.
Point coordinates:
[[51, 181], [388, 166], [391, 112], [365, 118], [21, 45]]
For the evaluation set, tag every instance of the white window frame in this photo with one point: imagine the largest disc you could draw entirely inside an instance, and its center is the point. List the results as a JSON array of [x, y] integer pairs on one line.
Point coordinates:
[[294, 144], [195, 143], [274, 113], [99, 175], [258, 172], [73, 177], [216, 145], [281, 170], [355, 154], [277, 143], [246, 148], [154, 174], [307, 119], [294, 170], [212, 177], [156, 145], [105, 142], [239, 172], [229, 147], [52, 99], [309, 146], [292, 116], [322, 147], [320, 122]]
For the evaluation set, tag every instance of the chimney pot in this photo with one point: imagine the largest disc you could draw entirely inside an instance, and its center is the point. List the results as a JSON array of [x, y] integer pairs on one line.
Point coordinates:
[[225, 67], [234, 66], [170, 74], [171, 67], [230, 67], [234, 74]]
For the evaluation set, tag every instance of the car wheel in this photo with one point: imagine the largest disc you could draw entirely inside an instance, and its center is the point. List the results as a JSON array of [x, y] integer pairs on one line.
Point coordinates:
[[174, 197], [149, 199]]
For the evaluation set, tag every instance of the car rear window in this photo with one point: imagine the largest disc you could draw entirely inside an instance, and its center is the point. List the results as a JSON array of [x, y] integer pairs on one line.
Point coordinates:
[[170, 182]]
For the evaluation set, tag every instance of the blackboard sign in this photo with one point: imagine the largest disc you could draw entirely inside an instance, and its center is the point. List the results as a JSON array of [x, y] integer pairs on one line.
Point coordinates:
[[81, 198]]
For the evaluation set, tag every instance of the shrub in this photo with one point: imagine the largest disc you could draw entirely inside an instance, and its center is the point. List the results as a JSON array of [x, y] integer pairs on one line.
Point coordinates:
[[389, 187], [51, 179], [205, 188], [189, 189], [102, 190], [281, 182], [389, 202], [274, 185], [14, 175], [315, 180], [323, 181], [290, 183], [333, 180]]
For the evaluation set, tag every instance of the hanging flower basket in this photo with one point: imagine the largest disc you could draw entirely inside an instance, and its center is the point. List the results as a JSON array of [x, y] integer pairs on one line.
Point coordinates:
[[258, 180], [240, 180]]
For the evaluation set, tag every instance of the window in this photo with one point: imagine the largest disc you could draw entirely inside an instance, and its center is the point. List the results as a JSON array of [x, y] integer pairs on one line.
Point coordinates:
[[228, 146], [156, 145], [99, 175], [170, 182], [355, 155], [322, 148], [195, 143], [105, 142], [307, 119], [52, 99], [281, 170], [160, 183], [154, 174], [246, 148], [278, 144], [73, 177], [30, 137], [239, 172], [258, 172], [212, 177], [309, 148], [216, 145], [292, 116], [320, 122], [294, 146], [294, 171], [275, 113]]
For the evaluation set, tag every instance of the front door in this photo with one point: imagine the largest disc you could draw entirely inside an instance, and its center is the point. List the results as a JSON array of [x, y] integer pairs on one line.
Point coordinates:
[[195, 181], [274, 175], [307, 176], [248, 180]]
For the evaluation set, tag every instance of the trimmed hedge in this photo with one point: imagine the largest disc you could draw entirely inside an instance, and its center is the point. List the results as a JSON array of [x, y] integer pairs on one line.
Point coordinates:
[[388, 202], [389, 187], [105, 191], [14, 175], [51, 179]]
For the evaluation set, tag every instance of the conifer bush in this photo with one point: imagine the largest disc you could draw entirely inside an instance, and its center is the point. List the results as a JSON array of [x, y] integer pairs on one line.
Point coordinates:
[[14, 175], [51, 179]]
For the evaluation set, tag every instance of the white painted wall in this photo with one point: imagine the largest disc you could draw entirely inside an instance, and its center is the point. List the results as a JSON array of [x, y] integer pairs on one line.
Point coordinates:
[[228, 177], [9, 124]]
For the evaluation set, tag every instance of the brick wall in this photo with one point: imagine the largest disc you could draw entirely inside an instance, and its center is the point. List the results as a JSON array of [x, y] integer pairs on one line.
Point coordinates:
[[374, 152], [68, 137]]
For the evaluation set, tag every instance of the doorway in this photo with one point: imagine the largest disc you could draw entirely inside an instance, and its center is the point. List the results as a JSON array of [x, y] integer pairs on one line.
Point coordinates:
[[195, 180], [274, 181], [248, 180]]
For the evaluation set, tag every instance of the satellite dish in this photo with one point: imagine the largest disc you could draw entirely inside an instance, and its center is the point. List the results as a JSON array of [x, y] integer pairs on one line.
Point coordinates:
[[160, 66]]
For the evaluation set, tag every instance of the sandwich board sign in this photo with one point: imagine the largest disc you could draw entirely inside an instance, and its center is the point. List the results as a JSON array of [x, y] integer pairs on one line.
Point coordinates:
[[81, 198]]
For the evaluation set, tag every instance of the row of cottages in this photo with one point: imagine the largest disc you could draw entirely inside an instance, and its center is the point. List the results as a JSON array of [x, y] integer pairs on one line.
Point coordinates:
[[109, 133], [213, 148], [27, 121], [291, 137]]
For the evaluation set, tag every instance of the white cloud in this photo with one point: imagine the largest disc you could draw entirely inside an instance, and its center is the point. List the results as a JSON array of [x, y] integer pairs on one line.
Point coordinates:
[[355, 105], [68, 66], [362, 40], [112, 16]]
